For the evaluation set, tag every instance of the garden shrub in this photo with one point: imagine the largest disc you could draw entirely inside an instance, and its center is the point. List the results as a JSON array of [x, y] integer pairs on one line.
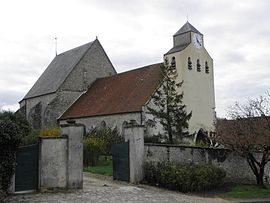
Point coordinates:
[[184, 177], [12, 128], [99, 142], [31, 138], [93, 147]]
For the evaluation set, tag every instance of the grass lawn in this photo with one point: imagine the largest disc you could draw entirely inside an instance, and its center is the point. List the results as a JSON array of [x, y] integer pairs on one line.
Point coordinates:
[[103, 167], [247, 192], [103, 170]]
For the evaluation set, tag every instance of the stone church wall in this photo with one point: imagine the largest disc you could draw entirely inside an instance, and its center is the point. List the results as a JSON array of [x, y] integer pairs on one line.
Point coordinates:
[[236, 167], [35, 107], [57, 107], [95, 64], [112, 121]]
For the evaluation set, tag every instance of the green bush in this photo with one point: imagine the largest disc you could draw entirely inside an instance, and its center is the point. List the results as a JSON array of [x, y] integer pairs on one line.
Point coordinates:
[[93, 147], [99, 142], [31, 138], [184, 177], [12, 128]]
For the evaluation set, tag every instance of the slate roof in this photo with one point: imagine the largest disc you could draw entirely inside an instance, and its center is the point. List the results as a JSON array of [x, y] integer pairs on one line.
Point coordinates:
[[177, 48], [187, 27], [121, 93], [57, 71]]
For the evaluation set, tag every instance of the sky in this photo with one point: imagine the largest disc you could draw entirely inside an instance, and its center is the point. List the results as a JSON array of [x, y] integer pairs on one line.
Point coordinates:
[[134, 34]]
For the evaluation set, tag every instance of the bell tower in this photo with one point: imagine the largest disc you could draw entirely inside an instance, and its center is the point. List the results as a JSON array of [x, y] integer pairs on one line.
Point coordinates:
[[195, 68]]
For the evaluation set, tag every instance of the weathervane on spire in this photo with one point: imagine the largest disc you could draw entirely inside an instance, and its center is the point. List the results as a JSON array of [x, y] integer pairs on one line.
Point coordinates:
[[55, 45]]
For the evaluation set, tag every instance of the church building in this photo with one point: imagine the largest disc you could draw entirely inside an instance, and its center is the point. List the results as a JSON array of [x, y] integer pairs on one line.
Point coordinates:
[[104, 98]]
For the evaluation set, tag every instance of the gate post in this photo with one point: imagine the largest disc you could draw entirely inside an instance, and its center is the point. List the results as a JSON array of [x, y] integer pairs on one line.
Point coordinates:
[[134, 133], [75, 133]]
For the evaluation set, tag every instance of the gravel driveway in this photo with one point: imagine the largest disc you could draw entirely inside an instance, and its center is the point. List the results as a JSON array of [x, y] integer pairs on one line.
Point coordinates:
[[97, 189]]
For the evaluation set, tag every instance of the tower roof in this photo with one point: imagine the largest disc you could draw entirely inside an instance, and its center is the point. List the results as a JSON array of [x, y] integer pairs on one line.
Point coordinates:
[[187, 27]]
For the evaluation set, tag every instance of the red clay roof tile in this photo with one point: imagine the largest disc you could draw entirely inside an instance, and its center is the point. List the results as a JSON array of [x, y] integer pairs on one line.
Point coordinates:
[[121, 93]]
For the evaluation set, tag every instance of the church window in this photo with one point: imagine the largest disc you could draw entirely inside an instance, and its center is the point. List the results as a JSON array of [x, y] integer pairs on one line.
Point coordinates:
[[206, 67], [198, 65], [103, 124], [173, 62], [189, 63], [124, 125]]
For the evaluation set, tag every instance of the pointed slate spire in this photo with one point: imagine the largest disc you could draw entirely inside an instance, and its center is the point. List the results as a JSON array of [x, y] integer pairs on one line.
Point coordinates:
[[187, 27]]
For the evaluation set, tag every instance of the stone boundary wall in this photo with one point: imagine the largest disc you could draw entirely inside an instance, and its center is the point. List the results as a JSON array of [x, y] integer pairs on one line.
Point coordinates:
[[236, 167]]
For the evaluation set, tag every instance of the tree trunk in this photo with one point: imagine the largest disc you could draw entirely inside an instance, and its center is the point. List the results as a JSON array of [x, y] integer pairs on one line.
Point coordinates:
[[259, 177], [257, 168]]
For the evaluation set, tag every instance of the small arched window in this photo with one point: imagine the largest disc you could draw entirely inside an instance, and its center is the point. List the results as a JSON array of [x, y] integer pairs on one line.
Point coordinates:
[[198, 65], [206, 67], [103, 124], [173, 62], [189, 63]]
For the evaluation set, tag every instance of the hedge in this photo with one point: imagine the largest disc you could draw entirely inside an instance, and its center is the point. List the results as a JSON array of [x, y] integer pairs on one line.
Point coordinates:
[[184, 177], [12, 128]]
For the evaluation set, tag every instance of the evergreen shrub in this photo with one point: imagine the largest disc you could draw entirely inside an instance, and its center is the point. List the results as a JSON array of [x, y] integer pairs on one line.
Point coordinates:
[[184, 177], [12, 128]]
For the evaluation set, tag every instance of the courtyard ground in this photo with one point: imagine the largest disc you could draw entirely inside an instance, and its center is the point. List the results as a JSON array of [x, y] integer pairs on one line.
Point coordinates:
[[99, 189], [102, 189]]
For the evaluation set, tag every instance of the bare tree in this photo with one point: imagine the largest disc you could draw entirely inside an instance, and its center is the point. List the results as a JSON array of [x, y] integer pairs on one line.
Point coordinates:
[[248, 133]]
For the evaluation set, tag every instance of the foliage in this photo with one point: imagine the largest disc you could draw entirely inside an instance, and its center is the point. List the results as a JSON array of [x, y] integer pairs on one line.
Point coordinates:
[[169, 110], [31, 138], [247, 192], [99, 142], [248, 133], [93, 147], [50, 132], [184, 177], [156, 139], [12, 128]]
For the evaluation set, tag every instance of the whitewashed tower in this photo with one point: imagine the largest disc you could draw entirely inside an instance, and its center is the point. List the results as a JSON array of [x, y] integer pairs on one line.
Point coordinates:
[[195, 67]]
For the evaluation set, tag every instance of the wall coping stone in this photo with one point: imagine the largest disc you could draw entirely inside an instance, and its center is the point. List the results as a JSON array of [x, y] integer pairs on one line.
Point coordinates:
[[184, 146], [53, 137]]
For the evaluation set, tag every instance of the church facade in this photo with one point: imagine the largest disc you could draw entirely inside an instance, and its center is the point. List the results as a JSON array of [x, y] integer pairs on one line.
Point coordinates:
[[113, 100], [69, 75]]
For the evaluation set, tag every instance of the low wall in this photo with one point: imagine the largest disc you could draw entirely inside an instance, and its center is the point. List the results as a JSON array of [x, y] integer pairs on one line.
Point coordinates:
[[236, 167]]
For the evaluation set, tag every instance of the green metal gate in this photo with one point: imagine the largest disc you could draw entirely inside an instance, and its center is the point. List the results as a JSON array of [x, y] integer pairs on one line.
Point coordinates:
[[120, 155], [26, 171]]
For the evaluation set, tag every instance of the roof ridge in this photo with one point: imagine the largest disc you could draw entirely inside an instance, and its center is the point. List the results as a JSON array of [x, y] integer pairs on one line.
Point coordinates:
[[75, 48], [187, 27], [116, 75]]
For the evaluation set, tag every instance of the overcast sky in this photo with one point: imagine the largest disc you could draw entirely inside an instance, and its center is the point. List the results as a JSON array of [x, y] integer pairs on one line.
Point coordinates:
[[134, 34]]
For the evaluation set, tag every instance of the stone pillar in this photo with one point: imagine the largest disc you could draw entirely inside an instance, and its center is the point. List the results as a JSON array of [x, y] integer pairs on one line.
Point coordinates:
[[53, 162], [135, 135], [75, 133]]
